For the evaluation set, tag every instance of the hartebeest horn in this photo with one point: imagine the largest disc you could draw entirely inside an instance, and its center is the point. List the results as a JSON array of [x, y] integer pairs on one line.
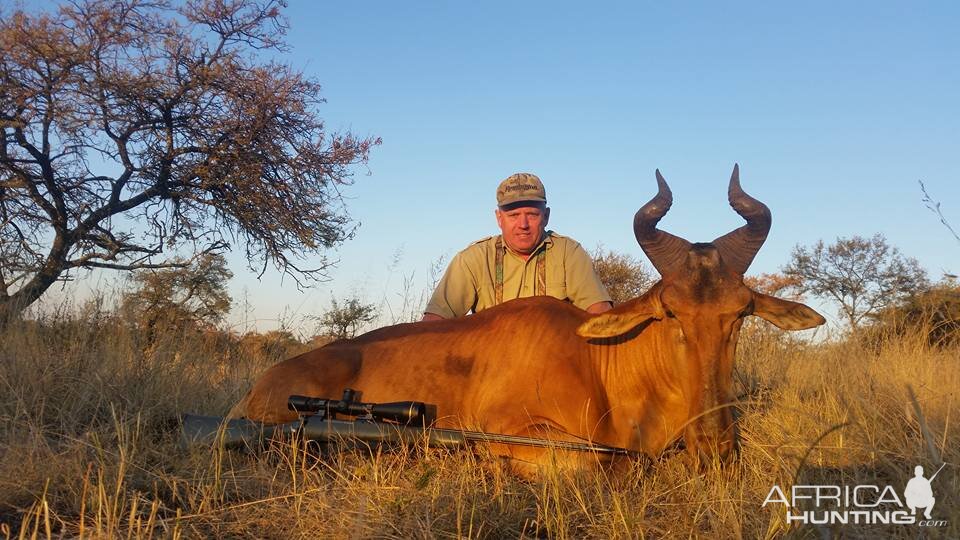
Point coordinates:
[[740, 246], [665, 251]]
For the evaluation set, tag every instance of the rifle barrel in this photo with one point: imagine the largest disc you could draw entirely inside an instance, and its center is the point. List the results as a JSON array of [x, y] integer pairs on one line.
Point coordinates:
[[480, 436], [206, 430], [942, 465]]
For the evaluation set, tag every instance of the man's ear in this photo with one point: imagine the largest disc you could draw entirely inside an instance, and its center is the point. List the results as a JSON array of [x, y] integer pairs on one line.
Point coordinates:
[[546, 215], [623, 318], [785, 314]]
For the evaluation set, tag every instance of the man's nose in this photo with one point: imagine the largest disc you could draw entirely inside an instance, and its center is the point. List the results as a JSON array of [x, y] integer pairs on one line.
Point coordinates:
[[524, 222]]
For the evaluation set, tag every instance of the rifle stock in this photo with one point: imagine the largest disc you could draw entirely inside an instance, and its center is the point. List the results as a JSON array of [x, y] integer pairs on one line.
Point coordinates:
[[240, 433]]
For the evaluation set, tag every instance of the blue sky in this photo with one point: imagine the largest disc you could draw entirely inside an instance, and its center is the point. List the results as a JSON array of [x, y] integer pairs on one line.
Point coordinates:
[[833, 112]]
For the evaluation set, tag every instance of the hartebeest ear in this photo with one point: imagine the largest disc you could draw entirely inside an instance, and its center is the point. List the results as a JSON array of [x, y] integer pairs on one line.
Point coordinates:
[[623, 318], [785, 314]]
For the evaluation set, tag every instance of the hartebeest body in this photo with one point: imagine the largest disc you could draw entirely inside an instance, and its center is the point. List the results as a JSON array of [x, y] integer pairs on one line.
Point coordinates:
[[639, 376]]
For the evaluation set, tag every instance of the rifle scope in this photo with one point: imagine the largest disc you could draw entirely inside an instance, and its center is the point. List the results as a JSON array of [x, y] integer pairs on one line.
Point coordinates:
[[403, 412]]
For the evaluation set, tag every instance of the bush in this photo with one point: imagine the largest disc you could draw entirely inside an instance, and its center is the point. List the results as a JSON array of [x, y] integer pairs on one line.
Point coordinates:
[[932, 314], [624, 276]]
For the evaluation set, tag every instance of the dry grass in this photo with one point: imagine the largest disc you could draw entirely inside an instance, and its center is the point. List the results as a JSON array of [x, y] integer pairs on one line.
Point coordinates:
[[87, 451]]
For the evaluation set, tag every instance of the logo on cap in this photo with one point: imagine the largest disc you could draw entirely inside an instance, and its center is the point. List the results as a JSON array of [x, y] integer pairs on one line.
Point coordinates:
[[521, 187]]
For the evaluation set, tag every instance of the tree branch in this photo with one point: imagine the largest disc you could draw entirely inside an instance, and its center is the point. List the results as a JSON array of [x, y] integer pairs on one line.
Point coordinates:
[[211, 143]]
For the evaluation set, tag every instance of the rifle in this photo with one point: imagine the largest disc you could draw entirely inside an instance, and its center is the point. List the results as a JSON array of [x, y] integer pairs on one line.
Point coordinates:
[[375, 424], [942, 465]]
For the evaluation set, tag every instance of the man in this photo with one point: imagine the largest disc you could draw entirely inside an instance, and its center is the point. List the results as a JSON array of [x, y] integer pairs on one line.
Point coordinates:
[[524, 260], [918, 492]]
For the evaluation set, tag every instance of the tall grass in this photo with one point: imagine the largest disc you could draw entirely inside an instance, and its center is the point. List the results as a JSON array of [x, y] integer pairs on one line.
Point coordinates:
[[88, 450]]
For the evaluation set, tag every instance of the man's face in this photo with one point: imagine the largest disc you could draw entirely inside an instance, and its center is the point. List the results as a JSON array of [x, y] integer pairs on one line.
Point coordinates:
[[523, 225]]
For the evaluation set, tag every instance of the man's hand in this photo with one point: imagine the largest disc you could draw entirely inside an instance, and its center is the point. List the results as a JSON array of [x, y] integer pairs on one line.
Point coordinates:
[[435, 317], [599, 307]]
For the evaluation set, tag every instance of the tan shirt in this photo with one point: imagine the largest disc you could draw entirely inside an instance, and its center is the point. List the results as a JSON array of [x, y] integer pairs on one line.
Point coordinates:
[[468, 284]]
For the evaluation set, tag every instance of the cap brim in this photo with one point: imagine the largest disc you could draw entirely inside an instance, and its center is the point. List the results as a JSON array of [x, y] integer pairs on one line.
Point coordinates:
[[525, 200]]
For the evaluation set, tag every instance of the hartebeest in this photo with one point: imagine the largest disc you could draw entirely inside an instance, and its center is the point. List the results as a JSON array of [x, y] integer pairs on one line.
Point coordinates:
[[639, 376]]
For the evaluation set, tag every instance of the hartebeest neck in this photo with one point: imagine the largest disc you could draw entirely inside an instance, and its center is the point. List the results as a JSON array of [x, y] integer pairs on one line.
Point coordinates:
[[644, 377], [661, 386]]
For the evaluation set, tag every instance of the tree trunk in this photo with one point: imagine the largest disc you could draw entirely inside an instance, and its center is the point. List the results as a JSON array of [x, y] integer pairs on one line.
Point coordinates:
[[12, 306], [9, 310]]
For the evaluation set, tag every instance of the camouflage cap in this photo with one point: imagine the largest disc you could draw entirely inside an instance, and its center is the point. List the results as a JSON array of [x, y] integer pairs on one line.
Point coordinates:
[[521, 187]]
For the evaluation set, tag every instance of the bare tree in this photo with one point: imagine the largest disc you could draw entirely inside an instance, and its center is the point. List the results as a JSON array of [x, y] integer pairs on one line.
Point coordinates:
[[130, 127], [934, 206], [860, 275], [624, 276]]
